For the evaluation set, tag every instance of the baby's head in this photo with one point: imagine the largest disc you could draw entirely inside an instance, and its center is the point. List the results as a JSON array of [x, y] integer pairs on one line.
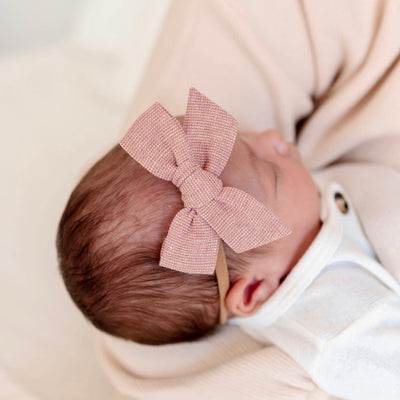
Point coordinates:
[[111, 233]]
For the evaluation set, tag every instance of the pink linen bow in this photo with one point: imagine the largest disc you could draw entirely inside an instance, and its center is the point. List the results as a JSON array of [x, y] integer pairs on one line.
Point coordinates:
[[192, 158]]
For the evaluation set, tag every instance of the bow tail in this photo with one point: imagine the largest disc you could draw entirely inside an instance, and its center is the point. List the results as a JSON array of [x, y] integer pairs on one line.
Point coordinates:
[[242, 221], [190, 241]]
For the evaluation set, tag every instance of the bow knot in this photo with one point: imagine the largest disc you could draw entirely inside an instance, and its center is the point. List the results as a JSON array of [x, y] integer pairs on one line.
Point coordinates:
[[183, 171], [198, 186]]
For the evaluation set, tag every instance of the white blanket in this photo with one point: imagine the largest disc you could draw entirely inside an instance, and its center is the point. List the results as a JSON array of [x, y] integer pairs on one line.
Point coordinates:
[[327, 75]]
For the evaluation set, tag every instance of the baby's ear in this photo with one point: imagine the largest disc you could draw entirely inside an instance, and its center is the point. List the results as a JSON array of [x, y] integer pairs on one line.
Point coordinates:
[[246, 296]]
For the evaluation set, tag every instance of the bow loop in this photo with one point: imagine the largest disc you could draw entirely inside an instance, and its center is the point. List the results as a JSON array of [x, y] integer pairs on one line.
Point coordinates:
[[210, 132]]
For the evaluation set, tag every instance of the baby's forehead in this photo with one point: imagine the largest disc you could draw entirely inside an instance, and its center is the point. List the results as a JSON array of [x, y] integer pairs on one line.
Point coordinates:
[[239, 167], [239, 150], [240, 155]]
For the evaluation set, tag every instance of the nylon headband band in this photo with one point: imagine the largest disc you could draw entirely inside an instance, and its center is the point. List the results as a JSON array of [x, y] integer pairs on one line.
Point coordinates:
[[222, 274]]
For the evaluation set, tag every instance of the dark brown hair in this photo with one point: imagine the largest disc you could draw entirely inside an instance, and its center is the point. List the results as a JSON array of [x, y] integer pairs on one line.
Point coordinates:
[[109, 241]]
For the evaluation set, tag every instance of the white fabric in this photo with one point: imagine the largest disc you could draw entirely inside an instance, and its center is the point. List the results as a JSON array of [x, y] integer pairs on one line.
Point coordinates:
[[338, 311], [9, 390]]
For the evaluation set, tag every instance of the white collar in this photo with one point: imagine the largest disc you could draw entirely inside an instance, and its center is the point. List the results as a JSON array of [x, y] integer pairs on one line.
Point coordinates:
[[316, 257]]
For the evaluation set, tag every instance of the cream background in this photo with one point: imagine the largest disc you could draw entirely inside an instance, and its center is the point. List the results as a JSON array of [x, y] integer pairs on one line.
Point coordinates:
[[63, 95]]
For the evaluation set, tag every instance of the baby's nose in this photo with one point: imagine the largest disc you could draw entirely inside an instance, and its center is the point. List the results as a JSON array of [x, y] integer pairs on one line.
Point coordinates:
[[277, 141], [269, 142]]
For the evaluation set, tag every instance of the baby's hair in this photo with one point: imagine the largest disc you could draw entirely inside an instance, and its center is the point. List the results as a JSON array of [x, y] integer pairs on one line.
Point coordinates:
[[109, 241]]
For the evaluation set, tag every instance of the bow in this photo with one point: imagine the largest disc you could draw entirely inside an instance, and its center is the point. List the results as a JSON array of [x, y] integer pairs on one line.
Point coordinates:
[[192, 158]]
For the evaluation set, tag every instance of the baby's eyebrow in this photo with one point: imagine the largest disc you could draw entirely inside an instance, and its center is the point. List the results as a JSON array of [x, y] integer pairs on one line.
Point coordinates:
[[252, 157]]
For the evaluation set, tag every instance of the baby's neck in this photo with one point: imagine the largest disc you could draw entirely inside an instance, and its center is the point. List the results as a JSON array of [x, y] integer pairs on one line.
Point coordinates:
[[300, 245]]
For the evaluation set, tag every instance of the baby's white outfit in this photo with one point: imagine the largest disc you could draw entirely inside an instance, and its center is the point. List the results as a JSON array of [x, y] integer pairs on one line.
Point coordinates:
[[338, 311]]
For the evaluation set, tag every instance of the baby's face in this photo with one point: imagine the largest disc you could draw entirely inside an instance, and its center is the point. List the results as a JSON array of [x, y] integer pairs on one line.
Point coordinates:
[[270, 169]]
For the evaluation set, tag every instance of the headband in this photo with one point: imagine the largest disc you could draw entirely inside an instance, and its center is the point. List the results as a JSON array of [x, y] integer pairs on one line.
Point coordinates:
[[192, 157]]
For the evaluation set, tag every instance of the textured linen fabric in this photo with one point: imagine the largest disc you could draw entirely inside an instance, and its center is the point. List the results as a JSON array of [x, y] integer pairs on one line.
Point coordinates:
[[338, 311], [326, 74], [192, 158]]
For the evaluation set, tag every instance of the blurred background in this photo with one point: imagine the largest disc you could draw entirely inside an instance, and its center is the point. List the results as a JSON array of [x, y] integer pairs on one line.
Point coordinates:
[[68, 72]]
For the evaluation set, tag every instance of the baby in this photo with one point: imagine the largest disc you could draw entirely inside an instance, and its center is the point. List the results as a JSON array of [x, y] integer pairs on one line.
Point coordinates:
[[110, 237], [316, 291]]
